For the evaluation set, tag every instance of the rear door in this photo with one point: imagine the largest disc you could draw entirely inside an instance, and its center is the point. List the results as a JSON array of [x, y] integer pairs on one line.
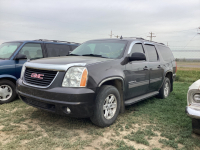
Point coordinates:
[[32, 51], [137, 74], [155, 68], [56, 50]]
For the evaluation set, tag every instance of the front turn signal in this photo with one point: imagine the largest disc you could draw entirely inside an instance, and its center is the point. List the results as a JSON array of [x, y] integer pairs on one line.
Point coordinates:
[[84, 78]]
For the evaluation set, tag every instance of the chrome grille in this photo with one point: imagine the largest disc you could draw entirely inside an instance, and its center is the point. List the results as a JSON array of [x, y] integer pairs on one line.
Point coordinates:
[[43, 81]]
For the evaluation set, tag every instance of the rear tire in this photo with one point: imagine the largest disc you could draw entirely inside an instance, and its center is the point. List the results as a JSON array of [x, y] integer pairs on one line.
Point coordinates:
[[7, 91], [107, 106], [196, 126], [165, 89]]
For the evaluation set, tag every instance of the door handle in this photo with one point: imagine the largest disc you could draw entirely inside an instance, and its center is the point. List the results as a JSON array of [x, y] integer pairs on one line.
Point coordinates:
[[159, 66], [145, 68]]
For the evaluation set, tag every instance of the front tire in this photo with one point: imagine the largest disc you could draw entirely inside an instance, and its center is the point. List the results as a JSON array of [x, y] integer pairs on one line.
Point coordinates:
[[196, 126], [107, 106], [165, 89], [7, 91]]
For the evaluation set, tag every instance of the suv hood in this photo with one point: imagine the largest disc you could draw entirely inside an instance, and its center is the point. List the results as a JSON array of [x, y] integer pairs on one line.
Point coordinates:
[[63, 63], [70, 59]]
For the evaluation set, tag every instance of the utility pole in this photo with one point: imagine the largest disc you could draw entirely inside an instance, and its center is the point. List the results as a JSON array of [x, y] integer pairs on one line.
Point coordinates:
[[151, 36], [111, 34]]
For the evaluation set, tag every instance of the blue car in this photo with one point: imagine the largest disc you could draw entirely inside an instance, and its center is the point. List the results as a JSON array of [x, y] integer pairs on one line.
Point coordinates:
[[14, 54]]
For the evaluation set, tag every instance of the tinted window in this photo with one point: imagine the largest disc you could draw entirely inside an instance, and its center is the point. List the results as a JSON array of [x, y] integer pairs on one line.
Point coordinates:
[[166, 53], [137, 48], [73, 47], [151, 51], [32, 51], [54, 50]]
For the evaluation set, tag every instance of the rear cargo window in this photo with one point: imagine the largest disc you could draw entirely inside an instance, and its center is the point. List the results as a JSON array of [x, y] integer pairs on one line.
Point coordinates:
[[166, 53], [55, 50]]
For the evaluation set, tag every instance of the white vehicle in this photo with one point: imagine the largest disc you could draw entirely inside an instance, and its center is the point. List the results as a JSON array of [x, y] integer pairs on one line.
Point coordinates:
[[193, 105]]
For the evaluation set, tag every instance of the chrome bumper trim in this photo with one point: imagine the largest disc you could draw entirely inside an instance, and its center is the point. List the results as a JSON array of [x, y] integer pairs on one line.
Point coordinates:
[[193, 113]]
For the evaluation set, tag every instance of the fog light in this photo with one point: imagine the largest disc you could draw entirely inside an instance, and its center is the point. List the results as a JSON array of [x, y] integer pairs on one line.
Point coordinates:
[[197, 98], [68, 110]]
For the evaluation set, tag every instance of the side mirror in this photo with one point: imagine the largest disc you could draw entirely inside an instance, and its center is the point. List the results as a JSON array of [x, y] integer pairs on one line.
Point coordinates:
[[20, 56], [137, 56]]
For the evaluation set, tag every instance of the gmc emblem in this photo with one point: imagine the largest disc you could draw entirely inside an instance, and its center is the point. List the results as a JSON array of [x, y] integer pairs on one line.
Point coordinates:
[[35, 75]]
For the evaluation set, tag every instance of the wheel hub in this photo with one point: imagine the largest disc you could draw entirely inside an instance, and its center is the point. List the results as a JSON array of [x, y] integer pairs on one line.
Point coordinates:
[[166, 89], [5, 92], [110, 106]]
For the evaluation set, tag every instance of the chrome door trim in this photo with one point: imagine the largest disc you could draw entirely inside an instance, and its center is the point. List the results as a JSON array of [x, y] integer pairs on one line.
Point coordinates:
[[131, 45]]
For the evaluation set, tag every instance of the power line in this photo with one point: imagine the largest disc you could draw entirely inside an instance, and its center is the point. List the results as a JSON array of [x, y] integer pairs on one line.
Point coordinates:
[[190, 40], [111, 34], [151, 36]]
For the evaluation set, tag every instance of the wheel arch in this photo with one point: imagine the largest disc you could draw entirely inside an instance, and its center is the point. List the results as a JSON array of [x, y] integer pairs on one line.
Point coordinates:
[[117, 82], [169, 74], [8, 77]]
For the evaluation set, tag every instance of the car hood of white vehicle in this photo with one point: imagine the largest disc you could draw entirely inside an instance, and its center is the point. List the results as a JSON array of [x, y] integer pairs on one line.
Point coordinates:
[[195, 85]]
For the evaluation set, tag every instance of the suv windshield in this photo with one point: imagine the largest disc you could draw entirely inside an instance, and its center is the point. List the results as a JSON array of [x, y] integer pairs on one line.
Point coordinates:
[[107, 49], [7, 49]]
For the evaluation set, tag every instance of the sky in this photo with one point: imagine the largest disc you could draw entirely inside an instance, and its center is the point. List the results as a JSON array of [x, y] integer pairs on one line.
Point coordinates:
[[173, 22]]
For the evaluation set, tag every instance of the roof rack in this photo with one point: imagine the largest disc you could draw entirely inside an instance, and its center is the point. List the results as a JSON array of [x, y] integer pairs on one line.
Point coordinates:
[[135, 38], [56, 41], [144, 39], [156, 42]]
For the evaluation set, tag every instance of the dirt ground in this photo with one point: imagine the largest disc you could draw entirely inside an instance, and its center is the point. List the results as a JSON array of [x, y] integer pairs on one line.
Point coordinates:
[[188, 65]]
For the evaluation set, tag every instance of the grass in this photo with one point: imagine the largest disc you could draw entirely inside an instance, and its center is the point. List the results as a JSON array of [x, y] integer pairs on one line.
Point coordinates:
[[152, 124], [187, 76]]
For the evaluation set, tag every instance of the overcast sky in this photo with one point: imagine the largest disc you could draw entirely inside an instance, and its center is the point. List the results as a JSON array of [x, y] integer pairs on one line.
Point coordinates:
[[172, 21]]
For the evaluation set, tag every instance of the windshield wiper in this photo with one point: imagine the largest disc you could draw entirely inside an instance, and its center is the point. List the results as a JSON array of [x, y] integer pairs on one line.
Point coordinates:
[[94, 55], [73, 55]]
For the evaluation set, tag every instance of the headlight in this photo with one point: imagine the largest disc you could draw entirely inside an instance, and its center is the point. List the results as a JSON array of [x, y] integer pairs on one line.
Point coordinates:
[[197, 98], [75, 77], [22, 71]]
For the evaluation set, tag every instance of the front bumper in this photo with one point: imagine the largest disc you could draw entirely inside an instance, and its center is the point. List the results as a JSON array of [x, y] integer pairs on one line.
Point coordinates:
[[193, 113], [56, 99]]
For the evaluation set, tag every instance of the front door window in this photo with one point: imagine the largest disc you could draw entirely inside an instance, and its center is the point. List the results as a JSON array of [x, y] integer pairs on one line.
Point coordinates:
[[32, 51]]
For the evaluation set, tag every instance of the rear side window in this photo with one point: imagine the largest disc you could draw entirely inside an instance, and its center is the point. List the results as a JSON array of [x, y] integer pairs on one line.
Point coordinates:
[[152, 53], [32, 51], [137, 48], [54, 50], [166, 53]]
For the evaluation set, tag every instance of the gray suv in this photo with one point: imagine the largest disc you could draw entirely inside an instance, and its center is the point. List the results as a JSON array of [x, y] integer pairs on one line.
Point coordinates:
[[99, 78]]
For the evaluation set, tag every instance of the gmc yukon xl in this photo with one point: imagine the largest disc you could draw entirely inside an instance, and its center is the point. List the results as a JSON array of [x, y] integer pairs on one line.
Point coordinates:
[[99, 78]]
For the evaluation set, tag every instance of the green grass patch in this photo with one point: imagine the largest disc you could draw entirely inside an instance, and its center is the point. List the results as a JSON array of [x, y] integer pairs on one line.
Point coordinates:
[[187, 76], [138, 137]]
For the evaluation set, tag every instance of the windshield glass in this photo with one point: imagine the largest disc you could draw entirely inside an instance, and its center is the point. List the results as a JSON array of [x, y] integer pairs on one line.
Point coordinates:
[[7, 49], [107, 49]]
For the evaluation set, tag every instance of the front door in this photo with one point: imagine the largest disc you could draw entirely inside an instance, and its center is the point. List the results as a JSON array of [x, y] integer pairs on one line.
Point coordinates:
[[137, 75]]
